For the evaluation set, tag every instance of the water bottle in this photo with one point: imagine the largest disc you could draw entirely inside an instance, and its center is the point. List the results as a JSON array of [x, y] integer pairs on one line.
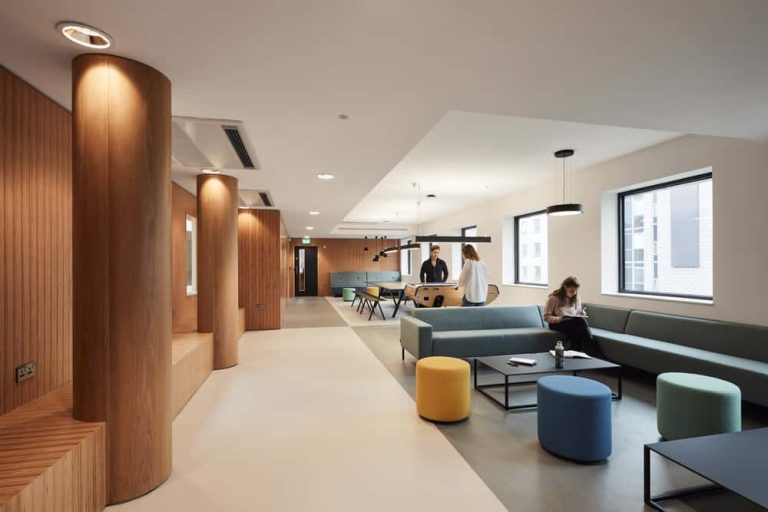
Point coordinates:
[[559, 355]]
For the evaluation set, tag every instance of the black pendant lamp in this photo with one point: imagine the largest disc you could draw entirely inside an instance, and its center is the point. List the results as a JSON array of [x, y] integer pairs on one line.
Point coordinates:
[[563, 209]]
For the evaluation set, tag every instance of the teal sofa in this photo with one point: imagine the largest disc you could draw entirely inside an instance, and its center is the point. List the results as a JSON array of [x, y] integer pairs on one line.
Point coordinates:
[[475, 332], [357, 280], [659, 343]]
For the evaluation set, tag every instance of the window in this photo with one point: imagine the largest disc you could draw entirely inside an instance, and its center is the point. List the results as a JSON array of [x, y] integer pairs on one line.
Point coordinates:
[[469, 231], [405, 259], [531, 266], [673, 258], [191, 270]]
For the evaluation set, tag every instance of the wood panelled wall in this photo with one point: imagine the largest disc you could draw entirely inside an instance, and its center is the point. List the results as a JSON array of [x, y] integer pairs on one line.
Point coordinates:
[[259, 268], [184, 306], [346, 255], [35, 241]]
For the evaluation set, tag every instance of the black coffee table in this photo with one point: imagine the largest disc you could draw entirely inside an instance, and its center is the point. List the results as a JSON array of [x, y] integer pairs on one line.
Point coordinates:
[[737, 462], [545, 364]]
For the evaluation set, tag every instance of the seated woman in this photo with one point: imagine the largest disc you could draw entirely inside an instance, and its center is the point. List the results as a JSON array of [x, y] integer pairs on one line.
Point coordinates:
[[564, 313]]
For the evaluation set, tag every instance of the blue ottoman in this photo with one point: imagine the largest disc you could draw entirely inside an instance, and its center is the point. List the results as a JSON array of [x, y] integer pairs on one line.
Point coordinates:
[[574, 417]]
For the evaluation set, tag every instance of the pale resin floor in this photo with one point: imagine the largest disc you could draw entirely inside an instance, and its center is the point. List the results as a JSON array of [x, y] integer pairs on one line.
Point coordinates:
[[310, 420]]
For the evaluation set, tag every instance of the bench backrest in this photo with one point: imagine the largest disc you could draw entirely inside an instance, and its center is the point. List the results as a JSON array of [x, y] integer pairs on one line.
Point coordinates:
[[607, 317], [740, 340], [358, 279], [465, 319]]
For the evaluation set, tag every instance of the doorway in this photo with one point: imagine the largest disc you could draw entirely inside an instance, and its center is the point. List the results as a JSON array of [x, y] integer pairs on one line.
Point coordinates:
[[305, 271]]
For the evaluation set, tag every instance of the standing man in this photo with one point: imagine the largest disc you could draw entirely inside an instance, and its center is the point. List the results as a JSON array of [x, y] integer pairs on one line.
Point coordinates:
[[434, 270]]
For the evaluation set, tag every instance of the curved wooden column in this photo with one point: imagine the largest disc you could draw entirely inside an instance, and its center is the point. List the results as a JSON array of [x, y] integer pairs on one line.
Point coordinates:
[[122, 266], [217, 305]]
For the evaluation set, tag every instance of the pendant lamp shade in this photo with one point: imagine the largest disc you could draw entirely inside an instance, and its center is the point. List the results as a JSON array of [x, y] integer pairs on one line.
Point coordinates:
[[564, 209]]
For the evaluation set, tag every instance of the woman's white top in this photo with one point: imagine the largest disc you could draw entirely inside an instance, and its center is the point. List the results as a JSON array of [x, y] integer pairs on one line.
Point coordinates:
[[474, 280]]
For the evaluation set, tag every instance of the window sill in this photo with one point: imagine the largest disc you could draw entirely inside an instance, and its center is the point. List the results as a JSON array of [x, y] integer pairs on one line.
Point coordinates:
[[191, 294], [534, 286], [706, 302]]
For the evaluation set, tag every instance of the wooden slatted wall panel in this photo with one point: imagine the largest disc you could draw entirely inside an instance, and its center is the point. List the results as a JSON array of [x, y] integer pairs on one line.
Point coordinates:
[[259, 256], [184, 306], [192, 357], [346, 255], [35, 241]]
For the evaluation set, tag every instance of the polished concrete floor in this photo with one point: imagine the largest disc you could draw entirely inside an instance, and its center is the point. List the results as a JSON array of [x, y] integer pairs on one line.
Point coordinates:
[[310, 312], [503, 447], [320, 416], [309, 420]]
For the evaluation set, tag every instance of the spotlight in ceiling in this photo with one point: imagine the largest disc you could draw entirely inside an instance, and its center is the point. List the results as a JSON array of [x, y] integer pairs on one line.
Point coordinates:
[[84, 35], [314, 212], [211, 171], [431, 196], [310, 228], [343, 116], [325, 176]]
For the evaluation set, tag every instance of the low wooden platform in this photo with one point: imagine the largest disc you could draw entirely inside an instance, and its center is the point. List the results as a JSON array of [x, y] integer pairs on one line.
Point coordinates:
[[49, 461], [192, 360]]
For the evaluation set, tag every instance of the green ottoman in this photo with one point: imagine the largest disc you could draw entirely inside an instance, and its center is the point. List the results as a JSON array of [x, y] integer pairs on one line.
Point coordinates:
[[690, 405], [348, 294]]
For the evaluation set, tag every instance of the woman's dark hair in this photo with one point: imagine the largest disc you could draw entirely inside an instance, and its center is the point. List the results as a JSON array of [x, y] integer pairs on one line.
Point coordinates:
[[562, 295], [470, 253]]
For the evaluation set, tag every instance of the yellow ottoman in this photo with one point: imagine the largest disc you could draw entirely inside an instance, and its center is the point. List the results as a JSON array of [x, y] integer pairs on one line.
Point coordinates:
[[442, 389], [372, 290]]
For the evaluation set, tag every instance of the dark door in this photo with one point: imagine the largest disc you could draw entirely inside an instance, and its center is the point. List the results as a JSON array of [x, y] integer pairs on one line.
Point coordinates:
[[305, 271]]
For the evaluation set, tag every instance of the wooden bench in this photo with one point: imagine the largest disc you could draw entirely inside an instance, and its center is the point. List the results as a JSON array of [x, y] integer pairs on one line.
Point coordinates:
[[192, 362], [49, 461], [369, 301]]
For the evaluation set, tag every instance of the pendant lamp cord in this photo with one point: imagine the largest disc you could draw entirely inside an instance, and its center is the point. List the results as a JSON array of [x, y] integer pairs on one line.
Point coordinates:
[[563, 180]]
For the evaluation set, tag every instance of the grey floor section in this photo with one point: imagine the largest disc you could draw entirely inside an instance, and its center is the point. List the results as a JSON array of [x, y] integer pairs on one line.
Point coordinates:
[[502, 447], [310, 312]]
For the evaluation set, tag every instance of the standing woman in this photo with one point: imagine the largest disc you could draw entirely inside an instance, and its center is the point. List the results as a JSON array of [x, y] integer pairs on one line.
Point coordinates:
[[434, 270], [564, 313], [473, 278]]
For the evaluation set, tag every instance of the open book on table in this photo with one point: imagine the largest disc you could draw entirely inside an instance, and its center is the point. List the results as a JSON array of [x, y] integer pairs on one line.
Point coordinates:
[[573, 354]]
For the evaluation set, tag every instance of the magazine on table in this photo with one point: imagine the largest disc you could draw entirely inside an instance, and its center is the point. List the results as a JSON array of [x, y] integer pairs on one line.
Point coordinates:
[[573, 354]]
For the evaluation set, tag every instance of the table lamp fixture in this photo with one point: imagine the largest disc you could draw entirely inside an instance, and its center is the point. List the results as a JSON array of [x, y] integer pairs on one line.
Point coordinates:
[[564, 208]]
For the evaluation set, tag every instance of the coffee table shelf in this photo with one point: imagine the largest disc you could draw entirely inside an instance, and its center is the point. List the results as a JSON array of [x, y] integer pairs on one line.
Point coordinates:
[[736, 462], [545, 364]]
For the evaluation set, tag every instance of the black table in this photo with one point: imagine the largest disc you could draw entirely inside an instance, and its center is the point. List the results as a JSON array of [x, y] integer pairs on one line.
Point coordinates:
[[737, 462], [545, 363], [395, 290]]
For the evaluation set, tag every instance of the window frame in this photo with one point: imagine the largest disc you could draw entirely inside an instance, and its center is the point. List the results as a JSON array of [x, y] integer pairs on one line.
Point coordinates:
[[190, 264], [517, 248], [620, 227]]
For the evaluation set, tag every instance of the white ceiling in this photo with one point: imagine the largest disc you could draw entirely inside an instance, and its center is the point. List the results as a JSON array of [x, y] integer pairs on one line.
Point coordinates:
[[467, 158], [287, 69]]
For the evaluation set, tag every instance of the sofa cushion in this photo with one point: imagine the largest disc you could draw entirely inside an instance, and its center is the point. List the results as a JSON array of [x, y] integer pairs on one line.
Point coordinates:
[[740, 340], [489, 342], [660, 356], [607, 317], [462, 319]]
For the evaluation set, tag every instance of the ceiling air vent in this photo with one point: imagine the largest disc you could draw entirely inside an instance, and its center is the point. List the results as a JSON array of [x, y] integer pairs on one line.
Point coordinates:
[[250, 198], [265, 199], [233, 134]]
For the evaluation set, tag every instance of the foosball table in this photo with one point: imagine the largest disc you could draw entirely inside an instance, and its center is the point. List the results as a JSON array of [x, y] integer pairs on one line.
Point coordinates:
[[435, 295]]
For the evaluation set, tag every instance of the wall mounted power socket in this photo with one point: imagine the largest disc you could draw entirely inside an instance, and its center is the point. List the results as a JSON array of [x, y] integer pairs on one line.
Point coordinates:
[[26, 371]]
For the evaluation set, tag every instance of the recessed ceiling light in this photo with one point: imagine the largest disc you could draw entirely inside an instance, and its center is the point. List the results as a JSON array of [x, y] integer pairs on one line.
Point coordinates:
[[431, 196], [310, 228], [314, 212], [84, 35], [211, 171], [343, 116], [326, 176]]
